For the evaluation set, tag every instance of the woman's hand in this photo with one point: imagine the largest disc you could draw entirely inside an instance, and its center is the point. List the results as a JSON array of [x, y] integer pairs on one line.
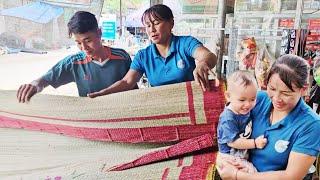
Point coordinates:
[[205, 61], [227, 171], [201, 73]]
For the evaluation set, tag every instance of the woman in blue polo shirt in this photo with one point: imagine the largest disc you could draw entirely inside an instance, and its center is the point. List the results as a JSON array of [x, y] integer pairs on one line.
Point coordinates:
[[291, 127], [169, 59]]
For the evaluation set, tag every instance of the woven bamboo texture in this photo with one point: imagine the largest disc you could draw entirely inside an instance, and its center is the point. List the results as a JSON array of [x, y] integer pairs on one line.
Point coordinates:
[[167, 113], [166, 132]]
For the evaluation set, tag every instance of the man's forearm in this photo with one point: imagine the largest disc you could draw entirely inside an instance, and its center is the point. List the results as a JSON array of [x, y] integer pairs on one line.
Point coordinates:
[[40, 84]]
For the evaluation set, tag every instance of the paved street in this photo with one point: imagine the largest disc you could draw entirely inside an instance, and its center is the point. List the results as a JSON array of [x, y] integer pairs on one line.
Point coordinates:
[[16, 69]]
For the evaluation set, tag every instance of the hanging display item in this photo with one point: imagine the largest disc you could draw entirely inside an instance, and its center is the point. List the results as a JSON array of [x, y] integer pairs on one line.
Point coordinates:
[[312, 47], [263, 64], [288, 41], [247, 53], [255, 59]]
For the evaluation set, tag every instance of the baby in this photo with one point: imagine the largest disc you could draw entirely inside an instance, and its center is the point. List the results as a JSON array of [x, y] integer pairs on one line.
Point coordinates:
[[234, 128]]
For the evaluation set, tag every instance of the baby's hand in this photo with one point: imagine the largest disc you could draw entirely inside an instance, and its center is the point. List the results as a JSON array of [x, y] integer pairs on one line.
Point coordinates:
[[260, 142]]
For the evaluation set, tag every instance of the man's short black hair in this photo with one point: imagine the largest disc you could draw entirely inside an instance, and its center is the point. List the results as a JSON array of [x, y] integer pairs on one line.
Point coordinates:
[[82, 22]]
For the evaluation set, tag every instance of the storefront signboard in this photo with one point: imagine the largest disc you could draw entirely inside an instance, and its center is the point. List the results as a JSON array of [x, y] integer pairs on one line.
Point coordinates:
[[108, 27]]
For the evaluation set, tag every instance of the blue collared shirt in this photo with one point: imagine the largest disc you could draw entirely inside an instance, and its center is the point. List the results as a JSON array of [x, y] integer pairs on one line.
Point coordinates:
[[177, 67], [230, 127], [297, 132], [88, 75]]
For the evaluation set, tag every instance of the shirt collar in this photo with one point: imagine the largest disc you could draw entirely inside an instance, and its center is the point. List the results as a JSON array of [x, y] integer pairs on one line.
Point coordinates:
[[241, 116], [290, 118], [301, 106], [172, 44]]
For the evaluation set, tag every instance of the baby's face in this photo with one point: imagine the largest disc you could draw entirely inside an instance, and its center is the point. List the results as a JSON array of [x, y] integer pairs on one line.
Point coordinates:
[[242, 99]]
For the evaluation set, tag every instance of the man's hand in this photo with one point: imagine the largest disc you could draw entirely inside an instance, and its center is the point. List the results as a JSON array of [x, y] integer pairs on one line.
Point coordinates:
[[96, 94], [25, 92], [201, 73]]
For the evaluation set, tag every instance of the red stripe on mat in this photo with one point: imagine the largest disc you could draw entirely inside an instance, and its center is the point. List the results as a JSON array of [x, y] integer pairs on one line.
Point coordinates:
[[184, 147], [190, 103], [132, 135], [200, 166], [180, 162], [165, 174], [213, 102], [142, 118]]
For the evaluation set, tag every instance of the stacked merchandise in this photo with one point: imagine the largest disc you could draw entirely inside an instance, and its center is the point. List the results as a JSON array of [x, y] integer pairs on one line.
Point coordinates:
[[292, 4], [288, 5], [311, 4], [312, 48], [294, 42], [288, 41], [312, 54], [286, 23], [249, 5]]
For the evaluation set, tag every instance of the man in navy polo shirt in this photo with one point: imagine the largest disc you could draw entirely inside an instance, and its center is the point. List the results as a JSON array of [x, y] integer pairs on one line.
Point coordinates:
[[94, 68], [169, 59]]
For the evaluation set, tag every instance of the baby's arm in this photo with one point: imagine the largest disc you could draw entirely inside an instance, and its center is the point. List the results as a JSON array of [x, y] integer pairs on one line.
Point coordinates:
[[242, 143]]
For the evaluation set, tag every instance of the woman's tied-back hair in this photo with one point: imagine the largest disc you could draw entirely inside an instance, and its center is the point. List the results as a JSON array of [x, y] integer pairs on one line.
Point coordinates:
[[159, 12], [82, 22], [241, 78], [291, 70]]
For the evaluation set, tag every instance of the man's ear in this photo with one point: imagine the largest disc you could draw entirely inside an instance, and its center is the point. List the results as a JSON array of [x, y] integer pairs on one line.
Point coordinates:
[[172, 22], [99, 32]]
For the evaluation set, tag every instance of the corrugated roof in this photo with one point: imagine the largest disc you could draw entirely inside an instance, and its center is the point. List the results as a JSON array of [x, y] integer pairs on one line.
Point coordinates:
[[39, 12]]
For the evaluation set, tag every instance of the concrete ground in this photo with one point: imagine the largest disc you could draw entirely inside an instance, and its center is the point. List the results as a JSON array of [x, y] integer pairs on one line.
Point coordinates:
[[22, 68]]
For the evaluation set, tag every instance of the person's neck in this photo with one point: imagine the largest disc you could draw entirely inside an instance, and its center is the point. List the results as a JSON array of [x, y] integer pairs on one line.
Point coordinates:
[[101, 54], [231, 108], [276, 116], [164, 48]]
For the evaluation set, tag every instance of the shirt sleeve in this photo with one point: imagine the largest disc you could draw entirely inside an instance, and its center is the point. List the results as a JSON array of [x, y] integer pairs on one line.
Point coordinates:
[[126, 55], [228, 131], [60, 73], [137, 63], [127, 59], [191, 44], [308, 141]]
